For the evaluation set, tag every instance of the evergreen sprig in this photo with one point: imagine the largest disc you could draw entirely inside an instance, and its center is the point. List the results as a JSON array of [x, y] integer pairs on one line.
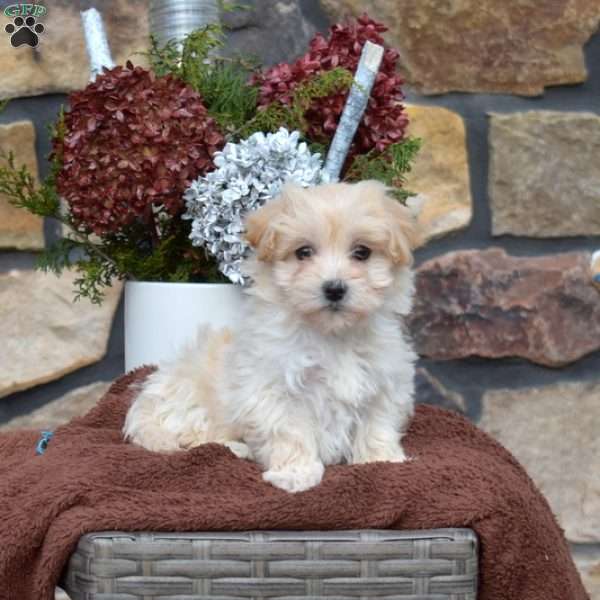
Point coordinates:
[[389, 166], [172, 258], [222, 82], [95, 272], [95, 275], [292, 115], [18, 185], [59, 256], [164, 60]]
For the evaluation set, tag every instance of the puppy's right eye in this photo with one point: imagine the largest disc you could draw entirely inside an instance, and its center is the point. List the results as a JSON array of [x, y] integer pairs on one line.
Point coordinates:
[[304, 252]]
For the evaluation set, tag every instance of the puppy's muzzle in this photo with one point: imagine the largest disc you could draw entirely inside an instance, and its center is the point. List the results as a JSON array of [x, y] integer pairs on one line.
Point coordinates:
[[334, 290]]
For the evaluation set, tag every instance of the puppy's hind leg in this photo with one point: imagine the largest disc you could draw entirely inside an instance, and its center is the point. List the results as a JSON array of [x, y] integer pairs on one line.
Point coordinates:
[[142, 426], [179, 406]]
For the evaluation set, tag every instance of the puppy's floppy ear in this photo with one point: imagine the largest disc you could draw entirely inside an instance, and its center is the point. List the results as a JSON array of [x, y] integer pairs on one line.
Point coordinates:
[[261, 225], [404, 234], [260, 229]]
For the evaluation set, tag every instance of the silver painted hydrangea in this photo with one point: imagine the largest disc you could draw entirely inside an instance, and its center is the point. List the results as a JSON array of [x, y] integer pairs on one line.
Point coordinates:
[[247, 175]]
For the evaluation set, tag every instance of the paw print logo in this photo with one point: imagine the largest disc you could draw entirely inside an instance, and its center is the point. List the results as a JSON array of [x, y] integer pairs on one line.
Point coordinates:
[[24, 31]]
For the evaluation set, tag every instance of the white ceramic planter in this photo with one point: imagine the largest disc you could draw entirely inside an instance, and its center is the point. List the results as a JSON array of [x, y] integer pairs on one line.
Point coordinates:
[[161, 317]]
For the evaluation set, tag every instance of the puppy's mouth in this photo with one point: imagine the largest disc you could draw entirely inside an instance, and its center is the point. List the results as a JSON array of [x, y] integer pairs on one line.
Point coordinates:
[[335, 307]]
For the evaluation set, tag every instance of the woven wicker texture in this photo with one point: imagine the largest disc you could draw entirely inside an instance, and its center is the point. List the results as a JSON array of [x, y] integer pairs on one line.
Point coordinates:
[[407, 565]]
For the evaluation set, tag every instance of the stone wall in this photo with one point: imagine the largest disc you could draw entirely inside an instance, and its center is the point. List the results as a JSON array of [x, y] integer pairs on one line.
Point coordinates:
[[507, 322]]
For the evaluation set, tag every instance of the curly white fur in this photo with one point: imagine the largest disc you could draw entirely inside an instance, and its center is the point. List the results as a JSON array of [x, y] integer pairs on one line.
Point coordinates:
[[303, 382]]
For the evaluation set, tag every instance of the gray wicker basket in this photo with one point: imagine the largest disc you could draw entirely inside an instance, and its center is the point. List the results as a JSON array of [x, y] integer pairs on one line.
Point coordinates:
[[436, 564]]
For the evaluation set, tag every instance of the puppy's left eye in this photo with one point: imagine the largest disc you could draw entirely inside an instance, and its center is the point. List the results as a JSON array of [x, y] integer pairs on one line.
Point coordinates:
[[361, 252], [304, 252]]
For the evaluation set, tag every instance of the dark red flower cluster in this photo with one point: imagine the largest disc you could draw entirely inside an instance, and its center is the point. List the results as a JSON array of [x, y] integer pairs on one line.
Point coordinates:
[[133, 143], [384, 122]]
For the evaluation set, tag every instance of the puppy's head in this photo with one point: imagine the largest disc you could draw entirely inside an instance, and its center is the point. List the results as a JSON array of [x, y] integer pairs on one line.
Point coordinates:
[[334, 253]]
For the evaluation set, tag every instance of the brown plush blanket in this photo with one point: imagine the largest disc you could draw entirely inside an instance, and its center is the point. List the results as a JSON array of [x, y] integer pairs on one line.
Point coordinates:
[[90, 480]]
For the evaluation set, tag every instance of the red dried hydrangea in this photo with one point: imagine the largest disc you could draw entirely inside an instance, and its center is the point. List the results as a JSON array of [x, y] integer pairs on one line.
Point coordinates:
[[384, 122], [133, 143]]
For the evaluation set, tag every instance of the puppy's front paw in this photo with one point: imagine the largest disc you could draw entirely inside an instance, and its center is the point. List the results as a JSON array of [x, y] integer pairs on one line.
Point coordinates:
[[295, 478], [240, 449], [392, 453]]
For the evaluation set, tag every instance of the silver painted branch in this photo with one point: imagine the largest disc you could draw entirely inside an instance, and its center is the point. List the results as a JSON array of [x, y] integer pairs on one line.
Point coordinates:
[[96, 42], [364, 79]]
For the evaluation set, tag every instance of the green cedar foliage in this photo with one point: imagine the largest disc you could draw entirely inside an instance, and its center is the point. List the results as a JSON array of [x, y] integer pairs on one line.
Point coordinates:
[[389, 166]]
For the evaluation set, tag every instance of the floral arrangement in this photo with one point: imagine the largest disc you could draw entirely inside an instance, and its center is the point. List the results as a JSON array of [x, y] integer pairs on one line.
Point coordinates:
[[154, 169]]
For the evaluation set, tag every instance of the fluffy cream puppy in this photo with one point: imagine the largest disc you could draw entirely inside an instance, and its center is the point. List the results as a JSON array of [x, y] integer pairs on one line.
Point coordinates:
[[319, 370]]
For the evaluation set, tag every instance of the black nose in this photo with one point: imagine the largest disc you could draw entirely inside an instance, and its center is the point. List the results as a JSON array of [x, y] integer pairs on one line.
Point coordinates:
[[334, 290]]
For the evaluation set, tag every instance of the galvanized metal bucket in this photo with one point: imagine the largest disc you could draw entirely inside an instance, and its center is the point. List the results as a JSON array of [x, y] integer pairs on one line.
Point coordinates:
[[174, 19]]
